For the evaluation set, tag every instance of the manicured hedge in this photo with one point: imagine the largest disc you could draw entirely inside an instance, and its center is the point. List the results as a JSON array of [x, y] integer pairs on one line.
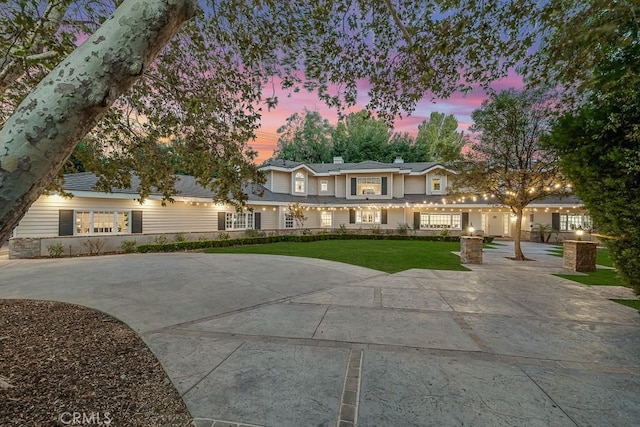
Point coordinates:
[[185, 246]]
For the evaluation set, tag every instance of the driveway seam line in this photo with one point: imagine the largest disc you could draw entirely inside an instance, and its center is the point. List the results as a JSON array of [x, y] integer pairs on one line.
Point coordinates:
[[211, 371]]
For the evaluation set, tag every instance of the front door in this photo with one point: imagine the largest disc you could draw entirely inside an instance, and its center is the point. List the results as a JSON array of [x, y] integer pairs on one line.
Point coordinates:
[[495, 224]]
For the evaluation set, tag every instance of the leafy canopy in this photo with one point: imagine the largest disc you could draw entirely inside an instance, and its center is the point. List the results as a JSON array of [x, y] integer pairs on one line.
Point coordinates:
[[508, 163], [205, 93]]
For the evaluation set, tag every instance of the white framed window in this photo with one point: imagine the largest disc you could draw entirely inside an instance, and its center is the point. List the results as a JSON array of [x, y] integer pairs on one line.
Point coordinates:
[[239, 221], [368, 217], [288, 220], [369, 186], [299, 183], [324, 185], [102, 222], [433, 221], [436, 185], [326, 219], [569, 222]]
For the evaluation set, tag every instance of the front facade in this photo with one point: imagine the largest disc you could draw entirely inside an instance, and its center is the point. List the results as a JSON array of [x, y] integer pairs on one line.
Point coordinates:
[[367, 196]]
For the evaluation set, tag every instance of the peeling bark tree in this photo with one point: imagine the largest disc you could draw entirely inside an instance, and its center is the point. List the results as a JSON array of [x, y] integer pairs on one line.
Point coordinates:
[[39, 137]]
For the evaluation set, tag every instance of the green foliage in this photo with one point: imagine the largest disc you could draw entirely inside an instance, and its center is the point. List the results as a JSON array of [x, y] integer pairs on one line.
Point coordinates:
[[633, 303], [94, 246], [179, 237], [508, 162], [599, 148], [445, 232], [55, 250], [160, 239], [305, 138], [403, 229], [438, 139], [254, 233], [224, 236], [129, 246]]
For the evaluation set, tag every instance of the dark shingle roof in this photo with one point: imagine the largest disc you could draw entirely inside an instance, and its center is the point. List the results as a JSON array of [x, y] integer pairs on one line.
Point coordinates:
[[322, 168]]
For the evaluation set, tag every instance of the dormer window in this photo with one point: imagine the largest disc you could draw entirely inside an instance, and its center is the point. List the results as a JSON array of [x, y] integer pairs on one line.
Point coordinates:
[[299, 183], [436, 185]]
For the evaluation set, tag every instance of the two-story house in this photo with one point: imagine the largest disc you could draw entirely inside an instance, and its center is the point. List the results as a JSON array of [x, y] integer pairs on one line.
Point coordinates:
[[357, 196]]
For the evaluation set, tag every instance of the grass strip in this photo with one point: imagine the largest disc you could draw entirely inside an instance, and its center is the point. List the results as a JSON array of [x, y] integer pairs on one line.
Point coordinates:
[[389, 256]]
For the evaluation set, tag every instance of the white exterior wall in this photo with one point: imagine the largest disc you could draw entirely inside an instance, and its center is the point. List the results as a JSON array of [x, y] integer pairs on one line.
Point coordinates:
[[443, 181], [281, 182], [341, 186], [312, 185], [42, 219], [415, 185], [331, 185], [398, 186]]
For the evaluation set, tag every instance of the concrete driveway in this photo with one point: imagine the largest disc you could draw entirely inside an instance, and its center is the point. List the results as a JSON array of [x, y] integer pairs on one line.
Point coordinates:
[[282, 341]]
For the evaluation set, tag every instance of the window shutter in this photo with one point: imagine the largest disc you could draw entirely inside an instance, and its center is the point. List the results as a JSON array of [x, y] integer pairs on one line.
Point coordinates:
[[352, 216], [416, 220], [555, 221], [257, 220], [354, 187], [465, 220], [384, 186], [65, 222], [136, 221], [222, 220], [383, 216]]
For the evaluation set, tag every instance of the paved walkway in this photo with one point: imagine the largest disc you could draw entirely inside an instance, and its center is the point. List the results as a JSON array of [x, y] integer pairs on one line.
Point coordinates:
[[281, 341]]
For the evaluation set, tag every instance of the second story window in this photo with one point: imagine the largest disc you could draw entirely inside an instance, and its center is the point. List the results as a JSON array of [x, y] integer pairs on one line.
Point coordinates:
[[369, 186], [299, 183], [436, 185], [324, 185]]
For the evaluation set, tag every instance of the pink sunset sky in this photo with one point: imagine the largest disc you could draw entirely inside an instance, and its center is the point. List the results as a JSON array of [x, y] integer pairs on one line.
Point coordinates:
[[460, 105]]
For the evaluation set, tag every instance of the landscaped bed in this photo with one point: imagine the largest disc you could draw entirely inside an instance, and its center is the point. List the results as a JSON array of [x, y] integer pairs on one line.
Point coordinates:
[[63, 364]]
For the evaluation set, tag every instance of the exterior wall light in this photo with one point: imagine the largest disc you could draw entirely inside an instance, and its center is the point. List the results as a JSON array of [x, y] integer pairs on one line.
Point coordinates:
[[579, 232], [471, 229]]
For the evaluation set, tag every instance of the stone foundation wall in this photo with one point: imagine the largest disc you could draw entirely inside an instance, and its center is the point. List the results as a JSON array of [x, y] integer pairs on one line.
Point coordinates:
[[24, 248]]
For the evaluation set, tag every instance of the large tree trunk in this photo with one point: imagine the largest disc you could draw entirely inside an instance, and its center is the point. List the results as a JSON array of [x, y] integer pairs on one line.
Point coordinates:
[[519, 255], [38, 138]]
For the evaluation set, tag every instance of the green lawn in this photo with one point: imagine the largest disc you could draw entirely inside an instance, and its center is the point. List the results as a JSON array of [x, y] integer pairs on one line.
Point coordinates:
[[634, 303], [600, 277], [390, 256]]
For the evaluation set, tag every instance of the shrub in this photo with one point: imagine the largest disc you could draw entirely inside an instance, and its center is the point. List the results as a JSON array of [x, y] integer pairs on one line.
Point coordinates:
[[488, 239], [129, 246], [445, 232], [161, 240], [192, 245], [94, 246], [56, 250], [203, 238], [224, 236], [376, 229], [342, 229], [179, 237], [254, 233], [403, 229]]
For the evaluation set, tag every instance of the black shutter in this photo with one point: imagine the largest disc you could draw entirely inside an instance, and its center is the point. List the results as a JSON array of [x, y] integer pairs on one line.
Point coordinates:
[[257, 220], [465, 220], [352, 216], [384, 185], [353, 186], [65, 222], [383, 216], [136, 221], [416, 220], [555, 221], [222, 220]]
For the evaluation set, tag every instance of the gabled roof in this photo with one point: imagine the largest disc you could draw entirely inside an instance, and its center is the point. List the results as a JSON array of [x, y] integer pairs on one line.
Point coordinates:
[[416, 168]]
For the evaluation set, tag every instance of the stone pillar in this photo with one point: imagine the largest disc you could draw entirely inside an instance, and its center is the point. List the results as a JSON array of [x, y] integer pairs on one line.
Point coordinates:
[[579, 256], [471, 250]]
